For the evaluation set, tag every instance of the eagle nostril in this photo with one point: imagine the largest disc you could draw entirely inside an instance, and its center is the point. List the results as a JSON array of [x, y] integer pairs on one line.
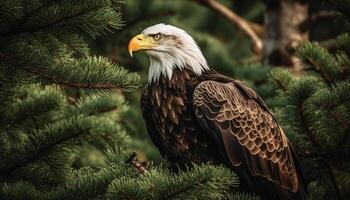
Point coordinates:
[[139, 39]]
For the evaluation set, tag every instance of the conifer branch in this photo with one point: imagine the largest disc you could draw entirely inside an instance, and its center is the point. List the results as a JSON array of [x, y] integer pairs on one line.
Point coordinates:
[[282, 78], [18, 31], [309, 132], [311, 136], [13, 168], [30, 15], [125, 84], [45, 147], [183, 190], [35, 105], [280, 84], [92, 184], [338, 120], [322, 72], [320, 60], [70, 84]]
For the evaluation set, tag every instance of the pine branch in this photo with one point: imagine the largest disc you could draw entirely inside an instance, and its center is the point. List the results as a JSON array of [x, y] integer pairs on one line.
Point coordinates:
[[19, 190], [97, 105], [186, 189], [343, 41], [38, 102], [306, 126], [282, 78], [332, 97], [92, 184], [319, 59], [112, 75], [41, 141], [303, 97], [67, 83], [200, 182], [62, 21], [28, 16], [299, 108]]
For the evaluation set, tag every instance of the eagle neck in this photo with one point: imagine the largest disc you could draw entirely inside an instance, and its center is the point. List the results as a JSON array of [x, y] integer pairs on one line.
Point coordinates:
[[165, 64]]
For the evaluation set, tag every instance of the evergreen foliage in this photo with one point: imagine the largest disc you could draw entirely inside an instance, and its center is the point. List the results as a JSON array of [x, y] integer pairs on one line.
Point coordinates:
[[204, 182], [316, 112]]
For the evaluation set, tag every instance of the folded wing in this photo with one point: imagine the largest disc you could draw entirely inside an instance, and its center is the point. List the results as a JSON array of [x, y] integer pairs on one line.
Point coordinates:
[[245, 131]]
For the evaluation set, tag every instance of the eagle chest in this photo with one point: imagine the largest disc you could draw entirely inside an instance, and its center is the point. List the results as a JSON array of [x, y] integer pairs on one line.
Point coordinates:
[[174, 117]]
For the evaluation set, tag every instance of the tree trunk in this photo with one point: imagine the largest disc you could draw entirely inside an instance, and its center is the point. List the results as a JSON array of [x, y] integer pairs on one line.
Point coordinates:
[[284, 31]]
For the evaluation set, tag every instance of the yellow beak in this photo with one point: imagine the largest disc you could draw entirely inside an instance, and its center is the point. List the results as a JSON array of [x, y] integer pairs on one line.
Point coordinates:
[[140, 42]]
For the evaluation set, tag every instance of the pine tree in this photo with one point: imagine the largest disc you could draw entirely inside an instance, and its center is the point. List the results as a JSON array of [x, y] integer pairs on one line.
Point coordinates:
[[315, 111], [61, 136]]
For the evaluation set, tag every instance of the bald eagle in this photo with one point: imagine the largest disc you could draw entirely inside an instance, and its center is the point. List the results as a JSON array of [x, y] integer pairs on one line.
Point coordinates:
[[194, 114]]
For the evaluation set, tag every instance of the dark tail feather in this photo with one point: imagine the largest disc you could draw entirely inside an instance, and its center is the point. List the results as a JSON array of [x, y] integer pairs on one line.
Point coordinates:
[[300, 171], [268, 190]]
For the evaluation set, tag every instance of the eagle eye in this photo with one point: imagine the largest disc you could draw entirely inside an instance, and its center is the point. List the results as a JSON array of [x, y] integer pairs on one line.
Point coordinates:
[[157, 36]]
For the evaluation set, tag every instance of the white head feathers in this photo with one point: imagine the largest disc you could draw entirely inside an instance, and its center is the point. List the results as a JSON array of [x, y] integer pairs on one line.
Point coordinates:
[[176, 49]]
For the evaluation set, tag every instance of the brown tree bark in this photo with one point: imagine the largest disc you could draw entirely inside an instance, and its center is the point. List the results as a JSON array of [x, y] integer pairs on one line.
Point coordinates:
[[284, 31]]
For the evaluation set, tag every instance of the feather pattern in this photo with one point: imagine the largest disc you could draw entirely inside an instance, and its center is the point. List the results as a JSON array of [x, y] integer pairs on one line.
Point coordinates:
[[263, 145], [214, 118]]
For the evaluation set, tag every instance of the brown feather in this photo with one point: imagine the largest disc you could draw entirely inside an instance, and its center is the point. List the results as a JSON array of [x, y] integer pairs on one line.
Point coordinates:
[[214, 118], [243, 100]]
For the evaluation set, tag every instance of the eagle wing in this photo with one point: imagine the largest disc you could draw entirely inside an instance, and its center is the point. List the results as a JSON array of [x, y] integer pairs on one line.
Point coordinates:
[[245, 131]]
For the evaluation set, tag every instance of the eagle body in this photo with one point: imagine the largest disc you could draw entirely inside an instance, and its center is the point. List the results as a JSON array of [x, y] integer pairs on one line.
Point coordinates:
[[167, 107], [213, 118], [195, 115]]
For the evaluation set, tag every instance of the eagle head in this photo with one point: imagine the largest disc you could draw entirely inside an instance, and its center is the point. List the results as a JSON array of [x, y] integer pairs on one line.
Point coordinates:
[[168, 48]]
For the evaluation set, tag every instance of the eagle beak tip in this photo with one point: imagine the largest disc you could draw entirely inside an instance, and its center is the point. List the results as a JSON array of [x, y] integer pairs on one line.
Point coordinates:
[[135, 44]]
